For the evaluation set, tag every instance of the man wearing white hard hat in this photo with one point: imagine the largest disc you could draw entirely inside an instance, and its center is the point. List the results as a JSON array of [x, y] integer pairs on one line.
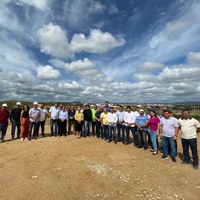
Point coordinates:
[[4, 116], [34, 114], [15, 120]]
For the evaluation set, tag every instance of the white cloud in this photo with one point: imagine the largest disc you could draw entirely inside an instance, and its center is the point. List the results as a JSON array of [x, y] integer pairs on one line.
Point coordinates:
[[47, 72], [152, 66], [96, 42], [84, 68], [53, 41], [40, 4], [194, 57]]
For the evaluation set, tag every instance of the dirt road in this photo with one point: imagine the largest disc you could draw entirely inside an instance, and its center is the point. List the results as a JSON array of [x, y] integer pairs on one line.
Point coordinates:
[[90, 168]]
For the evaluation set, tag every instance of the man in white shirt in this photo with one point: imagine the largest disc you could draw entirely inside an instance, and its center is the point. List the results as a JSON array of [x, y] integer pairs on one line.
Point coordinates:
[[129, 119], [34, 114], [112, 123], [54, 113], [63, 116], [120, 124], [43, 117], [189, 129]]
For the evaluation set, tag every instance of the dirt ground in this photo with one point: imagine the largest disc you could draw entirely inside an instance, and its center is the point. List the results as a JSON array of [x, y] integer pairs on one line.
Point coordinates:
[[90, 168]]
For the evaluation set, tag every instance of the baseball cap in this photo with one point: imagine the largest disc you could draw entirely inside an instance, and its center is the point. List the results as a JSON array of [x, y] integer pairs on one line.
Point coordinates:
[[141, 111], [18, 104], [4, 105], [35, 103]]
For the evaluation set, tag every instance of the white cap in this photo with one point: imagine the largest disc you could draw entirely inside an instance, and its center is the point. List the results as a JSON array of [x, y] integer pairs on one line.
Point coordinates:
[[35, 103], [4, 105], [141, 111], [18, 104]]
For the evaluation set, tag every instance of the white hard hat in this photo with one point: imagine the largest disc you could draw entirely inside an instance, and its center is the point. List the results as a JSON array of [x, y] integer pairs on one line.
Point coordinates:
[[18, 104], [35, 103], [4, 105]]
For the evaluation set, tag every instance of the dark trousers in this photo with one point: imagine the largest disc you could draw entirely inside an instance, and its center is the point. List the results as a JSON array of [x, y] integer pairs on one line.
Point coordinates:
[[62, 127], [120, 132], [98, 129], [15, 124], [142, 138], [33, 127], [192, 143], [133, 131], [105, 132], [93, 128], [3, 129], [70, 124], [41, 125]]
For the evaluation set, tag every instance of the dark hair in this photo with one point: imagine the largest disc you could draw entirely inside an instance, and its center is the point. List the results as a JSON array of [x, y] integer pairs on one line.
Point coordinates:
[[27, 106], [185, 110], [154, 112], [166, 110], [128, 107], [121, 106]]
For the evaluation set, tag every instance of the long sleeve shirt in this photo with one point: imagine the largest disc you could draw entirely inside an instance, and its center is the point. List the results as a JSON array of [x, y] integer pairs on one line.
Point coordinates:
[[129, 118], [112, 119]]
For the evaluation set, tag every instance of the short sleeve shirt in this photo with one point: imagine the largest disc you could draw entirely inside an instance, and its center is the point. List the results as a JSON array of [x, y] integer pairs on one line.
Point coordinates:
[[168, 126]]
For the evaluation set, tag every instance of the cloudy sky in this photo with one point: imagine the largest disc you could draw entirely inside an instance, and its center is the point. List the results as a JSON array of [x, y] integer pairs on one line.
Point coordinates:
[[91, 51]]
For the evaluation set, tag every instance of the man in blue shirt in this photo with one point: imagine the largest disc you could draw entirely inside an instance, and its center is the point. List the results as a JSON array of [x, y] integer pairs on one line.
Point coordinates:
[[142, 125]]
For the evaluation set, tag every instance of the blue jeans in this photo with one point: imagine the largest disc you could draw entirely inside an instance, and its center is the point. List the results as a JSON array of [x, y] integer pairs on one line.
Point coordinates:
[[86, 131], [54, 127], [133, 131], [14, 125], [98, 128], [105, 132], [120, 132], [192, 143], [112, 133], [153, 136], [169, 141], [3, 129], [33, 126]]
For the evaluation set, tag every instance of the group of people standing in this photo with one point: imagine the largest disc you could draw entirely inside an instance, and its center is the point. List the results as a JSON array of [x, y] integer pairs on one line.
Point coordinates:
[[108, 124]]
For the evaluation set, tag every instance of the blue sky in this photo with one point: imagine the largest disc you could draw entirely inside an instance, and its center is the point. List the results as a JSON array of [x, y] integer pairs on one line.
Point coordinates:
[[91, 51]]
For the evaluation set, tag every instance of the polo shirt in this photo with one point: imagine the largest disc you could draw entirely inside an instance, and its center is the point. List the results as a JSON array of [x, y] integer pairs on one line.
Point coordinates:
[[93, 114], [141, 120], [188, 128], [43, 114], [168, 126], [104, 117]]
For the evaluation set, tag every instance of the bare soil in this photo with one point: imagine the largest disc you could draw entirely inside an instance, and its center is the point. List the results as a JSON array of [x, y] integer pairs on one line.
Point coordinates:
[[90, 168]]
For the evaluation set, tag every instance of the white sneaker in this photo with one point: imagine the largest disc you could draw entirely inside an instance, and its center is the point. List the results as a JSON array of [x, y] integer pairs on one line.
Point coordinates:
[[22, 139]]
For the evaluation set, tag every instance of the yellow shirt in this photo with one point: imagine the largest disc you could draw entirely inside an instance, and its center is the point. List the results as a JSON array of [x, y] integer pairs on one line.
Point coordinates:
[[104, 117], [79, 116]]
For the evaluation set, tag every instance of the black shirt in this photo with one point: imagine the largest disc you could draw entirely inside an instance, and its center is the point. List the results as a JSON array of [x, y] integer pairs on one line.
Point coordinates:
[[15, 114], [25, 114], [87, 115], [98, 114]]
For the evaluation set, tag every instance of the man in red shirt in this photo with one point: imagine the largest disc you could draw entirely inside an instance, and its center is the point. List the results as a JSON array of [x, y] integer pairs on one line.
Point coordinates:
[[4, 116]]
